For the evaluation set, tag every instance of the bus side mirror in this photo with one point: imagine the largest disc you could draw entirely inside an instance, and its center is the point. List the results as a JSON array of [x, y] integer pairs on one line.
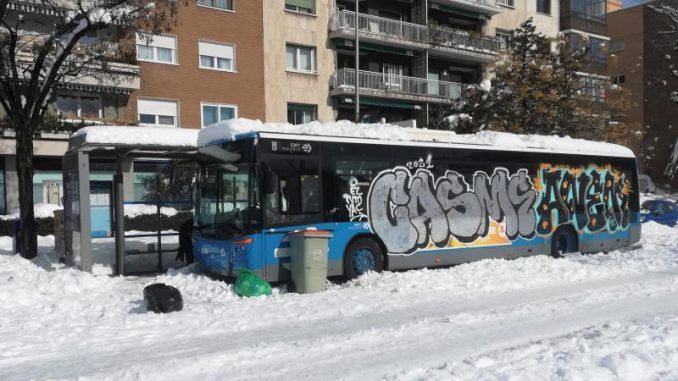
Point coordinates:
[[268, 181]]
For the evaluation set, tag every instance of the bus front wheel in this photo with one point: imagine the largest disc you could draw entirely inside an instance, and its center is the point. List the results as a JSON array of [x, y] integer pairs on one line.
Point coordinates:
[[361, 256], [564, 240]]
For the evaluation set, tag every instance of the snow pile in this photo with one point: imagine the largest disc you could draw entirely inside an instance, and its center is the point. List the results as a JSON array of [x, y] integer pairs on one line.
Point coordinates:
[[581, 317], [147, 136], [41, 210], [231, 129], [642, 349], [515, 141], [135, 210]]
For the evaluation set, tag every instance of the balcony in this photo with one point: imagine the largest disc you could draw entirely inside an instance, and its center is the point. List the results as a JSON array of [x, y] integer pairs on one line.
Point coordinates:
[[439, 41], [389, 86], [113, 77], [488, 7]]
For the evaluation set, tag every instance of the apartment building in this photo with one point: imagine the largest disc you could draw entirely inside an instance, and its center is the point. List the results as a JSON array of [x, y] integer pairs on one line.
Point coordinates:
[[584, 24], [285, 61], [640, 48], [209, 67], [299, 62], [544, 13], [415, 56]]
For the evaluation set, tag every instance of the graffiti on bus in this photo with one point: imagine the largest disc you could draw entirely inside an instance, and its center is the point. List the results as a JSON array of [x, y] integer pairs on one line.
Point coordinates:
[[594, 198], [411, 211]]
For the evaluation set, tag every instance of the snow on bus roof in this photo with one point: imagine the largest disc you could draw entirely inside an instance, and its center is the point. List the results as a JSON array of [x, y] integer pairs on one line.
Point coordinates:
[[231, 129], [133, 135]]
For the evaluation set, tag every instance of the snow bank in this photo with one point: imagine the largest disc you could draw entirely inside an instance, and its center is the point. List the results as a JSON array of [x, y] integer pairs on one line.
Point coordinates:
[[229, 130], [41, 210], [641, 349], [582, 317], [149, 136]]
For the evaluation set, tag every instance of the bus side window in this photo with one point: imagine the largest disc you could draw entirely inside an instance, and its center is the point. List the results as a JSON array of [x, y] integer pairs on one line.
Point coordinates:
[[299, 191]]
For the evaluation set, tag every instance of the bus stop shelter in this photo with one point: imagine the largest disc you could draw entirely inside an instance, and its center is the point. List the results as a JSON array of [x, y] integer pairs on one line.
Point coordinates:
[[95, 199]]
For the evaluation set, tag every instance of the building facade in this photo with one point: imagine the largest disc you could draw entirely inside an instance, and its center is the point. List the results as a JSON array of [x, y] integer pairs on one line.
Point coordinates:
[[584, 24], [641, 61], [209, 67], [415, 57], [285, 61], [544, 13]]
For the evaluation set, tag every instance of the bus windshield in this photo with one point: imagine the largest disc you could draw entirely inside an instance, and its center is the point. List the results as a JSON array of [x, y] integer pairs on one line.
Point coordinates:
[[228, 202]]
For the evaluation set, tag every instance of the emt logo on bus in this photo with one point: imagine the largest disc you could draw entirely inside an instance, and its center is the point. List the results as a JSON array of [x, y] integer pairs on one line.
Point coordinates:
[[410, 211]]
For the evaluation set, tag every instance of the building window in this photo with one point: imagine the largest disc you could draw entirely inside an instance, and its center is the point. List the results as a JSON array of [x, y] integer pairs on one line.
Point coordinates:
[[47, 187], [594, 49], [154, 112], [593, 88], [214, 113], [79, 106], [219, 4], [544, 6], [300, 58], [506, 3], [153, 48], [301, 6], [505, 36], [299, 114], [616, 46], [594, 10], [619, 79], [216, 56]]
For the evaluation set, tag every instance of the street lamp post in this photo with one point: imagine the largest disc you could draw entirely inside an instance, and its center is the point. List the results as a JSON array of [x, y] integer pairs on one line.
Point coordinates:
[[357, 65]]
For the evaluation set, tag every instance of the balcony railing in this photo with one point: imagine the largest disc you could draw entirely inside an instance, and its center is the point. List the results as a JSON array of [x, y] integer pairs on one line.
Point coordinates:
[[396, 84], [416, 33]]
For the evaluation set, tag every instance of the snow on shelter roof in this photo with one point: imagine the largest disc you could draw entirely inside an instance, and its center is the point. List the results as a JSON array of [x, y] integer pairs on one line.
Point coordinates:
[[135, 136], [389, 134]]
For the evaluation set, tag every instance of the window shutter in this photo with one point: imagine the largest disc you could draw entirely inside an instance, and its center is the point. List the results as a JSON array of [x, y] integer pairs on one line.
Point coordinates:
[[167, 42], [215, 50], [157, 107]]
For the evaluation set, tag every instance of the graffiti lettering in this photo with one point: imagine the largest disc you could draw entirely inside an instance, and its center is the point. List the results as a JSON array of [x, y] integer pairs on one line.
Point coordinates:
[[409, 211], [354, 201], [414, 210], [592, 199], [421, 163]]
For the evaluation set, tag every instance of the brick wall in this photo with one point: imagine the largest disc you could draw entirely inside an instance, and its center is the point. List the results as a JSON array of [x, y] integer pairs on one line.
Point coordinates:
[[190, 85]]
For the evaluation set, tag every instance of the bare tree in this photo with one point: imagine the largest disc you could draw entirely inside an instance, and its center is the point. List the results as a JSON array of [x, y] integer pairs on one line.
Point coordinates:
[[47, 44]]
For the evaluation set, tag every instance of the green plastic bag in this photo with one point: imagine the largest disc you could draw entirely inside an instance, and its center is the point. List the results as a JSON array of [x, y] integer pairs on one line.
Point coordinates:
[[249, 284]]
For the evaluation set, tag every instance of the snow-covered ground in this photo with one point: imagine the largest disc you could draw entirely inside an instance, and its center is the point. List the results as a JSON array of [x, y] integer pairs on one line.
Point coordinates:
[[603, 317]]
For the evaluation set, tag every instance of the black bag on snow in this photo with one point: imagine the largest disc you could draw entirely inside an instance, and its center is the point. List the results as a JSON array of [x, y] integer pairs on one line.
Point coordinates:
[[160, 297]]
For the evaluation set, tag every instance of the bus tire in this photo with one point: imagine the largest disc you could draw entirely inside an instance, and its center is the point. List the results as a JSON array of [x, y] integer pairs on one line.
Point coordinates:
[[361, 256], [564, 240]]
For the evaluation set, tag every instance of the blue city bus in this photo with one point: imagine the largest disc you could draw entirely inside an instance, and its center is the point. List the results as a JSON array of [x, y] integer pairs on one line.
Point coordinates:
[[394, 205]]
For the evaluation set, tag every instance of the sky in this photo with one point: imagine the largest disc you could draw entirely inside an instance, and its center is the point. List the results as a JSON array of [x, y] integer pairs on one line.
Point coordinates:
[[628, 3]]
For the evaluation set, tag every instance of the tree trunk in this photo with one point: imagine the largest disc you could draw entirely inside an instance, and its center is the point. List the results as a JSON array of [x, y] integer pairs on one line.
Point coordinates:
[[24, 161]]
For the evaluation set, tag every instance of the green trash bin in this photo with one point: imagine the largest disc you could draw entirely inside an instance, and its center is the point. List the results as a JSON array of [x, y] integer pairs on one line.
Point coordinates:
[[309, 260]]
